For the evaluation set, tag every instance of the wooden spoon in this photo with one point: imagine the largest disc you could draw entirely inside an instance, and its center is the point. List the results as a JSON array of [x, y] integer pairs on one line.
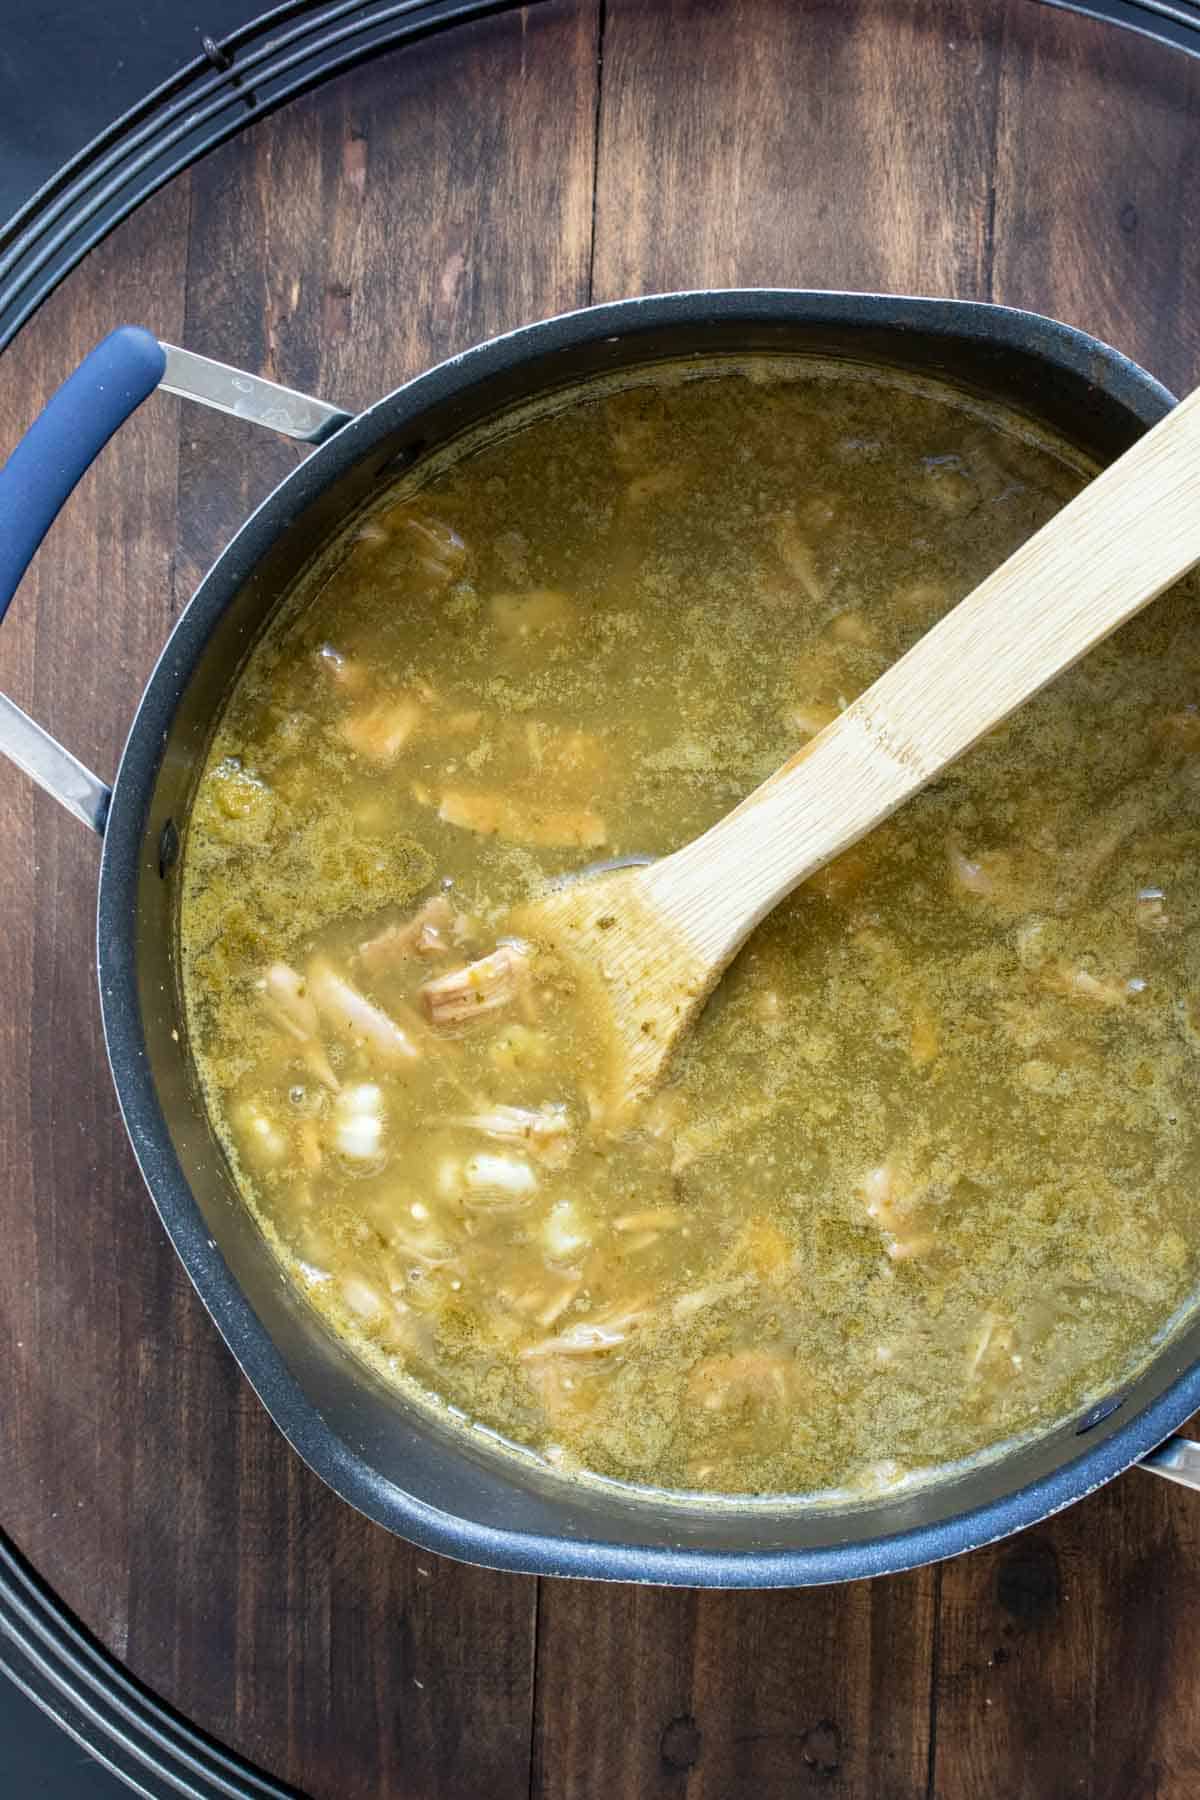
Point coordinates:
[[660, 935]]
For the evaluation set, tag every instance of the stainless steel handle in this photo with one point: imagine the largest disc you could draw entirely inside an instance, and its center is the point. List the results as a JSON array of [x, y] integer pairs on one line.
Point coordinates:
[[42, 757], [1178, 1459], [26, 743], [250, 397]]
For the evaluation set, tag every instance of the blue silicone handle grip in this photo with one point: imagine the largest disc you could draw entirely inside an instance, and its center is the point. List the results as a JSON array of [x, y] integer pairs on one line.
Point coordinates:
[[69, 434]]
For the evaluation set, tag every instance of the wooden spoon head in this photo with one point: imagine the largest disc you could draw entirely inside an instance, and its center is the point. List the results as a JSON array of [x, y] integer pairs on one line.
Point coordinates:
[[634, 967]]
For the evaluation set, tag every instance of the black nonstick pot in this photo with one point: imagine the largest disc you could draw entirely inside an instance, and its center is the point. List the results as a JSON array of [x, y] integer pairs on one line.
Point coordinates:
[[437, 1481]]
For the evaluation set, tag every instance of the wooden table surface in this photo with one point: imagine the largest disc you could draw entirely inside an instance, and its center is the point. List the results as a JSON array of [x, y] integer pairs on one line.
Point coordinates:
[[583, 150]]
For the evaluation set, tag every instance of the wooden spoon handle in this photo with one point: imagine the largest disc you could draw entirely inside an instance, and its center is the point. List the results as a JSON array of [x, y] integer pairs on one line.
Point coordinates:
[[1126, 537]]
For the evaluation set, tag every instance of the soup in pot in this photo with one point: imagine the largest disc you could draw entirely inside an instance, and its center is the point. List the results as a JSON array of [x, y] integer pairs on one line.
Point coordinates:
[[925, 1175]]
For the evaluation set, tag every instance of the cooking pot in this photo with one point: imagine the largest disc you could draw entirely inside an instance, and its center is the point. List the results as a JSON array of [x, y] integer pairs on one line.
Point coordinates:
[[432, 1477]]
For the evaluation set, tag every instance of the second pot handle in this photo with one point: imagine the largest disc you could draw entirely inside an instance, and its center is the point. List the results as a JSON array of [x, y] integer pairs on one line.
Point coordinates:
[[63, 441], [66, 439], [1178, 1459]]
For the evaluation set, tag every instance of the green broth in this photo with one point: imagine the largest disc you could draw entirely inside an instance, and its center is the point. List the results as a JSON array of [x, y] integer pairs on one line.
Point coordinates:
[[925, 1176]]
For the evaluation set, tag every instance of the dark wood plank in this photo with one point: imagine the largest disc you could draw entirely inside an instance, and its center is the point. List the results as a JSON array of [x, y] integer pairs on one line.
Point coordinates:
[[819, 146], [433, 199], [1098, 186], [344, 243], [1069, 1655], [411, 208], [340, 248], [841, 143], [647, 1692], [82, 1249]]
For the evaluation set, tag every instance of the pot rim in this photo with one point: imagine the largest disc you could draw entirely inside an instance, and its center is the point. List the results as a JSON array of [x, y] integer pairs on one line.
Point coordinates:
[[1114, 1447]]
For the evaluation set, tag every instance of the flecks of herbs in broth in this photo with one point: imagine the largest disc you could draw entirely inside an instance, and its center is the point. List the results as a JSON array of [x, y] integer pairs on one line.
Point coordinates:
[[926, 1176]]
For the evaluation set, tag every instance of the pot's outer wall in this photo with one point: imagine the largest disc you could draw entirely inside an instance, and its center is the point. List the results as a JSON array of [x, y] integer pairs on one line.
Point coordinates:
[[438, 1485]]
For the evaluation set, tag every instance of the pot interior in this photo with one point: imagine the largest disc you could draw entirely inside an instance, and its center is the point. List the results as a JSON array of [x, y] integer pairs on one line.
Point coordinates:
[[414, 1467]]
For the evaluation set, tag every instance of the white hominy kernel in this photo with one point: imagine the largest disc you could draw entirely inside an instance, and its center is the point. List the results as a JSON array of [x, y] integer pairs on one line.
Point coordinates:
[[510, 1173], [358, 1114]]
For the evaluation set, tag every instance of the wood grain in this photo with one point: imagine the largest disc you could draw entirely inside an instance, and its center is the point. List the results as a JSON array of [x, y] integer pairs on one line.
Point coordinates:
[[975, 147], [834, 143], [340, 245], [978, 151], [83, 1255], [825, 146], [1097, 178], [646, 1692], [1068, 1658]]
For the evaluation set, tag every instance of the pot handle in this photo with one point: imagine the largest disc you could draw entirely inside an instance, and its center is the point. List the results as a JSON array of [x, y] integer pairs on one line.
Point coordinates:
[[1178, 1459], [109, 384], [76, 423]]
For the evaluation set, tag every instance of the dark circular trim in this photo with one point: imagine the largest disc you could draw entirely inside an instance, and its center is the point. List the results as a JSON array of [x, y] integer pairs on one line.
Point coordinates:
[[42, 1648], [1175, 23], [126, 1727], [274, 59]]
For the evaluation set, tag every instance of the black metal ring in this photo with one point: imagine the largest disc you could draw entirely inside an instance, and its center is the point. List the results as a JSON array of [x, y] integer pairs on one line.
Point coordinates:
[[122, 1724], [269, 61], [1175, 23], [284, 53]]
